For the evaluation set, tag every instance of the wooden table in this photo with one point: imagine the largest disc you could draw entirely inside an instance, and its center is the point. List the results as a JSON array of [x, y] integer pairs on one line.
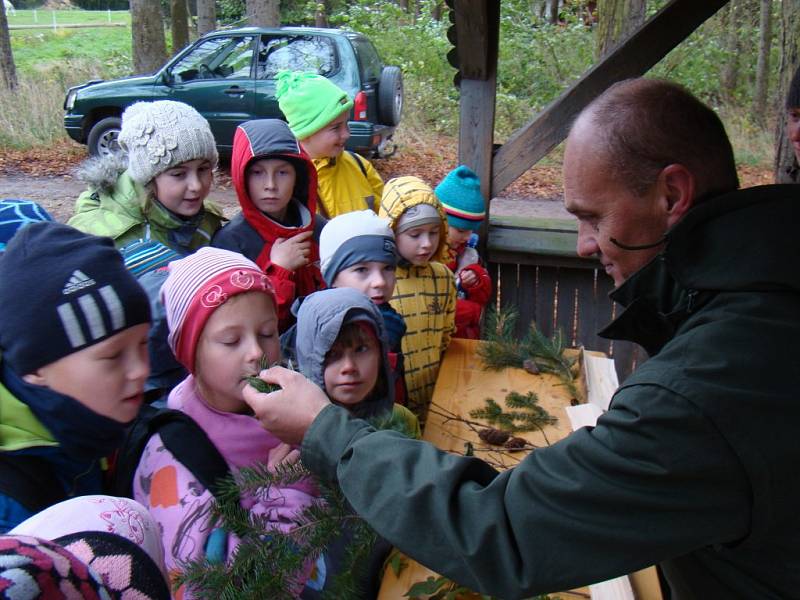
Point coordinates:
[[463, 385]]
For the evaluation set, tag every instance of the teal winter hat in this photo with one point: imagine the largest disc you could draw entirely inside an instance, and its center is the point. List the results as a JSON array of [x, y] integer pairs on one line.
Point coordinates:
[[460, 194], [309, 101]]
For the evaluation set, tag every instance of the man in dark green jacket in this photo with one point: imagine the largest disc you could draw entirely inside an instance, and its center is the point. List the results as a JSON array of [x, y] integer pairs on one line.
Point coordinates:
[[695, 465]]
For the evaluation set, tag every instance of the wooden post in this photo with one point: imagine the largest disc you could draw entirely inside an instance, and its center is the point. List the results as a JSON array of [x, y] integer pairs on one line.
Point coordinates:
[[643, 49], [477, 27]]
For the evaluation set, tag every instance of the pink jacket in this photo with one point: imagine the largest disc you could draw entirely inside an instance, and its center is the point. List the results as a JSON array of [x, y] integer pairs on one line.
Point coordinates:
[[180, 504]]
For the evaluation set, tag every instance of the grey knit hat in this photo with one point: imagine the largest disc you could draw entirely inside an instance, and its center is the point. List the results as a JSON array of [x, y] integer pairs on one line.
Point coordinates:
[[160, 135]]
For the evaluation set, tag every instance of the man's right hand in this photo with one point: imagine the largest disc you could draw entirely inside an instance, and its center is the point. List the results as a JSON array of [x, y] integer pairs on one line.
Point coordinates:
[[289, 412], [292, 253]]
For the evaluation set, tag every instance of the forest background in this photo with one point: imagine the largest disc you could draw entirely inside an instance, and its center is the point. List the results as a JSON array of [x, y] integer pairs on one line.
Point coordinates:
[[737, 62]]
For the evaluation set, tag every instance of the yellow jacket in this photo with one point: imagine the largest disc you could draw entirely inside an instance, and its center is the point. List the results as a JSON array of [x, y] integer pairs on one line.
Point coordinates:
[[346, 183], [425, 296]]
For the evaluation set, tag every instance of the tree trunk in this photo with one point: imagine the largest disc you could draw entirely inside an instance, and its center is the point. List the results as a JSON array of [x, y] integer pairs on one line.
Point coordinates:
[[616, 20], [321, 14], [762, 66], [206, 16], [437, 10], [552, 12], [8, 71], [403, 4], [263, 13], [790, 61], [733, 46], [179, 14], [147, 34]]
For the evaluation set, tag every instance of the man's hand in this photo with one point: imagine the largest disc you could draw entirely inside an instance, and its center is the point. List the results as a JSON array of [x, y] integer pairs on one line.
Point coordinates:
[[289, 412], [468, 278], [292, 253]]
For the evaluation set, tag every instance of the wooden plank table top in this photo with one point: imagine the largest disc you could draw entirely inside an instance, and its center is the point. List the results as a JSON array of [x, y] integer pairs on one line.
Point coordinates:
[[463, 385]]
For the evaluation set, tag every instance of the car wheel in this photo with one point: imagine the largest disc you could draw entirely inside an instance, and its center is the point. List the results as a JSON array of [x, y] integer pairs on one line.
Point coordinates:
[[102, 139], [390, 96]]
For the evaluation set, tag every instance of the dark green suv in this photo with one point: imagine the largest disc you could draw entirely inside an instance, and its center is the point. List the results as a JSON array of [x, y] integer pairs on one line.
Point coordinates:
[[229, 77]]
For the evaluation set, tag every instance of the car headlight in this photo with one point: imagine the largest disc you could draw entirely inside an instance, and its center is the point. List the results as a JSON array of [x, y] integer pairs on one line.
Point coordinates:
[[69, 102]]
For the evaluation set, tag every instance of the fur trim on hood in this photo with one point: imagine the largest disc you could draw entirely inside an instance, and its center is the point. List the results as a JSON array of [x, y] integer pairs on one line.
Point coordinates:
[[101, 172]]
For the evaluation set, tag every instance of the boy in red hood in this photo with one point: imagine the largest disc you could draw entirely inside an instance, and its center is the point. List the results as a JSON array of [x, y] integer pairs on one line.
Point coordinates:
[[276, 184]]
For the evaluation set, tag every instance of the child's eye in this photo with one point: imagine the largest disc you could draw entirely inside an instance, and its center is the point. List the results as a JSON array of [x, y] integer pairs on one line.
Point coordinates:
[[229, 341], [114, 356], [267, 334], [390, 268]]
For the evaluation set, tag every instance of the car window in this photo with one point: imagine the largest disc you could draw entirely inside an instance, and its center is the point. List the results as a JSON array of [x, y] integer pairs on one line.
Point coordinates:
[[296, 53], [216, 58], [368, 59]]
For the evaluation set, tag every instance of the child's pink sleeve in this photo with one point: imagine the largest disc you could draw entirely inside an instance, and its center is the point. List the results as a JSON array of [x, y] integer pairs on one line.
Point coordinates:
[[177, 501]]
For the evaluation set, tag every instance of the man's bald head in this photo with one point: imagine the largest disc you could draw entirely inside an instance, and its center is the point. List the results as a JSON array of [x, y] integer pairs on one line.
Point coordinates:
[[642, 125]]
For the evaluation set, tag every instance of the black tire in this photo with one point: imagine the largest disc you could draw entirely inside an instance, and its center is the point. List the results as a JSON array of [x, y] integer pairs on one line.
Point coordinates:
[[102, 138], [390, 96]]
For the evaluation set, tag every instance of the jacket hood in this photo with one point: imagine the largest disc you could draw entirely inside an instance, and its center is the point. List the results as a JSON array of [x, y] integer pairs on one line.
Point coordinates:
[[272, 138], [102, 172], [401, 193], [320, 318]]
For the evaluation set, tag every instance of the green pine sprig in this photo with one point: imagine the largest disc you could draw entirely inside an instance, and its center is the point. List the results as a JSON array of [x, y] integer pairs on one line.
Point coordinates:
[[529, 416]]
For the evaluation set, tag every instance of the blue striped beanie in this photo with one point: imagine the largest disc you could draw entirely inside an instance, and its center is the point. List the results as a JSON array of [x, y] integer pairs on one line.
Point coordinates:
[[63, 291]]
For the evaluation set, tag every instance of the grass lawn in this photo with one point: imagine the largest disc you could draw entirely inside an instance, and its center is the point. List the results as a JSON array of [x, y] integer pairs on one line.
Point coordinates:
[[37, 52], [64, 17]]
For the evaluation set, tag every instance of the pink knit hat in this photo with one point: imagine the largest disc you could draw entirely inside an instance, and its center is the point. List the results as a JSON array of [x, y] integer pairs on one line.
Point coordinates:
[[199, 284]]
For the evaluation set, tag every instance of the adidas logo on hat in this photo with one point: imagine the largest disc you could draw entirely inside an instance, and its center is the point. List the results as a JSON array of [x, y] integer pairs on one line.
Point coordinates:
[[77, 281]]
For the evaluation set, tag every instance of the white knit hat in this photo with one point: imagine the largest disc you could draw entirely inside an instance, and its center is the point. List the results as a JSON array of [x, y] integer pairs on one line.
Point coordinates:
[[160, 135], [354, 237]]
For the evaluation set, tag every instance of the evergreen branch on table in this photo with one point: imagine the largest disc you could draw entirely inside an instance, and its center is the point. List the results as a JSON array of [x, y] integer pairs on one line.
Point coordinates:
[[529, 417]]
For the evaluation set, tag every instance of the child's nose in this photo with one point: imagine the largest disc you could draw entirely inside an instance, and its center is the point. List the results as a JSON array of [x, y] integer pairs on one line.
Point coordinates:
[[348, 363], [140, 367]]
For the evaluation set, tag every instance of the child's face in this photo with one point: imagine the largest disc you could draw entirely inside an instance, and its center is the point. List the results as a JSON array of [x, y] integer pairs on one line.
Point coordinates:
[[270, 184], [328, 141], [183, 188], [457, 237], [418, 244], [373, 279], [351, 370], [230, 348], [107, 377]]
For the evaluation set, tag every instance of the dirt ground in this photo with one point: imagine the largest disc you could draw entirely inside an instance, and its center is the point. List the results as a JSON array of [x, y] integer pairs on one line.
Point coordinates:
[[45, 175]]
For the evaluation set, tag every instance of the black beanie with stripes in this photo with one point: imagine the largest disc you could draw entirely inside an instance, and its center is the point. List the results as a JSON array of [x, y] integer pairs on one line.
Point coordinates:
[[61, 291]]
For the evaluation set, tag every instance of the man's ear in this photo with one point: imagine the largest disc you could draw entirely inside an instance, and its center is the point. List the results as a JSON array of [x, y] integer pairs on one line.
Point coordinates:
[[677, 185], [35, 378]]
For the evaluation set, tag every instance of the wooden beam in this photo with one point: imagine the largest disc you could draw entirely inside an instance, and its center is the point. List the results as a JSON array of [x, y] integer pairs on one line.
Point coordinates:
[[474, 38], [478, 90], [643, 49]]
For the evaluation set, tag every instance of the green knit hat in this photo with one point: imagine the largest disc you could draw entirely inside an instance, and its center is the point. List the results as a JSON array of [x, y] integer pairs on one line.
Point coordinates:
[[309, 101]]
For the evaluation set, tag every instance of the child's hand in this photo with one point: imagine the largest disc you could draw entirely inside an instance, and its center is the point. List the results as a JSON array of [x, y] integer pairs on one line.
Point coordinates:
[[292, 253], [468, 278], [289, 412], [282, 455]]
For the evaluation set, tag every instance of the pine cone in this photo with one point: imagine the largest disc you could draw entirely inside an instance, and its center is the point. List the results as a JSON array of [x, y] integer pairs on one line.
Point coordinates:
[[530, 366], [515, 444], [490, 435]]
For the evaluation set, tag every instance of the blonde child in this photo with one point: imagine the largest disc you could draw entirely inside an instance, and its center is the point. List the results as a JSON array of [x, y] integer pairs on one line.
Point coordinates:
[[425, 292], [275, 182], [220, 309], [74, 364], [318, 111], [358, 250], [460, 195], [157, 188]]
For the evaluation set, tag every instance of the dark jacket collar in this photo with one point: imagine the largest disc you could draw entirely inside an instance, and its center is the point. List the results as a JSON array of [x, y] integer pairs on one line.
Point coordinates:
[[741, 241]]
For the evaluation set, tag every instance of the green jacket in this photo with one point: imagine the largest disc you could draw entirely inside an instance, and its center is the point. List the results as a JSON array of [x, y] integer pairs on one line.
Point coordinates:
[[694, 466], [115, 206]]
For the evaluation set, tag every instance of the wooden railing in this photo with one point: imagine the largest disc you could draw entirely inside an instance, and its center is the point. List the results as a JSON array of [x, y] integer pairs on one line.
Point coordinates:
[[536, 271]]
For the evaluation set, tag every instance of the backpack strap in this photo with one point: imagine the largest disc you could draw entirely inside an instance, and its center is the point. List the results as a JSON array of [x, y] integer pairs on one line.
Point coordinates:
[[30, 480], [360, 162], [184, 438]]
